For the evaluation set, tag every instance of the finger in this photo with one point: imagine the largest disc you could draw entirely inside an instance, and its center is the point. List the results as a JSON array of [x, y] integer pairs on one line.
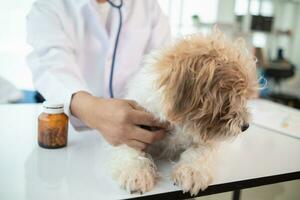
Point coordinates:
[[156, 122], [146, 119], [135, 105], [137, 145], [145, 136]]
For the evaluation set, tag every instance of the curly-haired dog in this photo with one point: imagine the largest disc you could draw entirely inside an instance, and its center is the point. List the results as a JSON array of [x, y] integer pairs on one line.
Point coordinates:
[[200, 84]]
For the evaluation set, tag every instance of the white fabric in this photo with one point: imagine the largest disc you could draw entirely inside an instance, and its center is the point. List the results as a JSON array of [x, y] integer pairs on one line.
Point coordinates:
[[103, 10], [73, 52]]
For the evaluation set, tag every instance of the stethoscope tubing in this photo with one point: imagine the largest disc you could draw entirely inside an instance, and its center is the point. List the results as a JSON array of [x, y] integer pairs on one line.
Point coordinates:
[[111, 76]]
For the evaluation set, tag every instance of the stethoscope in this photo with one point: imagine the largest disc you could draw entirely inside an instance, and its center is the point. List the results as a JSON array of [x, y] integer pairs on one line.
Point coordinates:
[[111, 76]]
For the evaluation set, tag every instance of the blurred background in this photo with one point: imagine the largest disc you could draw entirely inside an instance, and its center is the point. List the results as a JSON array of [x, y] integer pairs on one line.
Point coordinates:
[[271, 29]]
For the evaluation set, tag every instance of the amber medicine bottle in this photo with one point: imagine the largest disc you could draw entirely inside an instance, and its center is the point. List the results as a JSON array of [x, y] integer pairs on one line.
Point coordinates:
[[52, 126]]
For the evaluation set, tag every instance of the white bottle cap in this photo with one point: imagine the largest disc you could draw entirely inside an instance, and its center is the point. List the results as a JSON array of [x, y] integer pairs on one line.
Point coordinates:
[[53, 108]]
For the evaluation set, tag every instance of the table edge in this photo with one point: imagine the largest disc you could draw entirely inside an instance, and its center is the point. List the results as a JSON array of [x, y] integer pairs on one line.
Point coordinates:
[[225, 187]]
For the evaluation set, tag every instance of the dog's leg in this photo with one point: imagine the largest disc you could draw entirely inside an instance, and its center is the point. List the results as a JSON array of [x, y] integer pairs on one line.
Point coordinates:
[[194, 170], [134, 170]]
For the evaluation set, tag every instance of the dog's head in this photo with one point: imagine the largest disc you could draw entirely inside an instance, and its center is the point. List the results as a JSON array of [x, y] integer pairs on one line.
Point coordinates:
[[205, 83]]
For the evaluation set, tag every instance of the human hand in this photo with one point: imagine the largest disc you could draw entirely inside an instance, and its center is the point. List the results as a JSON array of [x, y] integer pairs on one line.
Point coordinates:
[[119, 121]]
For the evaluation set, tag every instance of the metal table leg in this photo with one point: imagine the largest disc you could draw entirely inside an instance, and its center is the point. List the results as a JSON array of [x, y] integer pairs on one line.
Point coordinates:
[[236, 195]]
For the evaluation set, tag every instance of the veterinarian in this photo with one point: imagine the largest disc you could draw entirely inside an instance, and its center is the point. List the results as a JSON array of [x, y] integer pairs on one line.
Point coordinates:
[[85, 51]]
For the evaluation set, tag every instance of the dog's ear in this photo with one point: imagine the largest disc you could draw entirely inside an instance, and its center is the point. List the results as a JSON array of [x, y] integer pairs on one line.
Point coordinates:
[[194, 95], [185, 82]]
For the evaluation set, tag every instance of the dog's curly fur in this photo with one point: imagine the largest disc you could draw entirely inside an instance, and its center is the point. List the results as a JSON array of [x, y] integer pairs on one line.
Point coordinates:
[[206, 82], [201, 85]]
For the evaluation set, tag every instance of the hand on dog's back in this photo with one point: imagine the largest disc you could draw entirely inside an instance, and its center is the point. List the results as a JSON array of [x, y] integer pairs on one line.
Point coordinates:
[[119, 121]]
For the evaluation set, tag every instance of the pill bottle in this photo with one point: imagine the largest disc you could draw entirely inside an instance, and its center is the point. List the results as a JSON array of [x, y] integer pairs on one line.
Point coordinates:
[[52, 126]]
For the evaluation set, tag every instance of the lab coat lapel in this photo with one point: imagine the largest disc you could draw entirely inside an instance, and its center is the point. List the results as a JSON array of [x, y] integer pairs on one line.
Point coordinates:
[[96, 26], [115, 24]]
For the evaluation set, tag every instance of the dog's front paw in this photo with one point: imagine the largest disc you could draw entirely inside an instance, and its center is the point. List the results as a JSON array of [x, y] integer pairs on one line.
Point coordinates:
[[190, 178], [138, 180]]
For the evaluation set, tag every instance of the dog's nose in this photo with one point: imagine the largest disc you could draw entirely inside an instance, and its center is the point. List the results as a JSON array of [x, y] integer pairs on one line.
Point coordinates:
[[245, 127]]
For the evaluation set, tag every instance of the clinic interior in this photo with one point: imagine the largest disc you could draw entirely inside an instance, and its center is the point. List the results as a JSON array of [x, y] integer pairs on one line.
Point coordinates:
[[271, 29]]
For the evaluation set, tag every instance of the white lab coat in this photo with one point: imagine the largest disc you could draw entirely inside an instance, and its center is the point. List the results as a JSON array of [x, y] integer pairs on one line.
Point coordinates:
[[72, 50]]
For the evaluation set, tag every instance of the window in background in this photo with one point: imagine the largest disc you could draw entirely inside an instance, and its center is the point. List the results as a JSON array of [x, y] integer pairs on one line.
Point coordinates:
[[259, 39], [257, 7], [180, 13], [262, 7], [241, 7], [205, 10], [254, 7], [267, 8], [13, 48]]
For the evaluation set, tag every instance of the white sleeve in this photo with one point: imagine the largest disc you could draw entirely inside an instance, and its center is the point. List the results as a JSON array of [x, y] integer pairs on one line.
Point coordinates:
[[53, 63], [161, 31]]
